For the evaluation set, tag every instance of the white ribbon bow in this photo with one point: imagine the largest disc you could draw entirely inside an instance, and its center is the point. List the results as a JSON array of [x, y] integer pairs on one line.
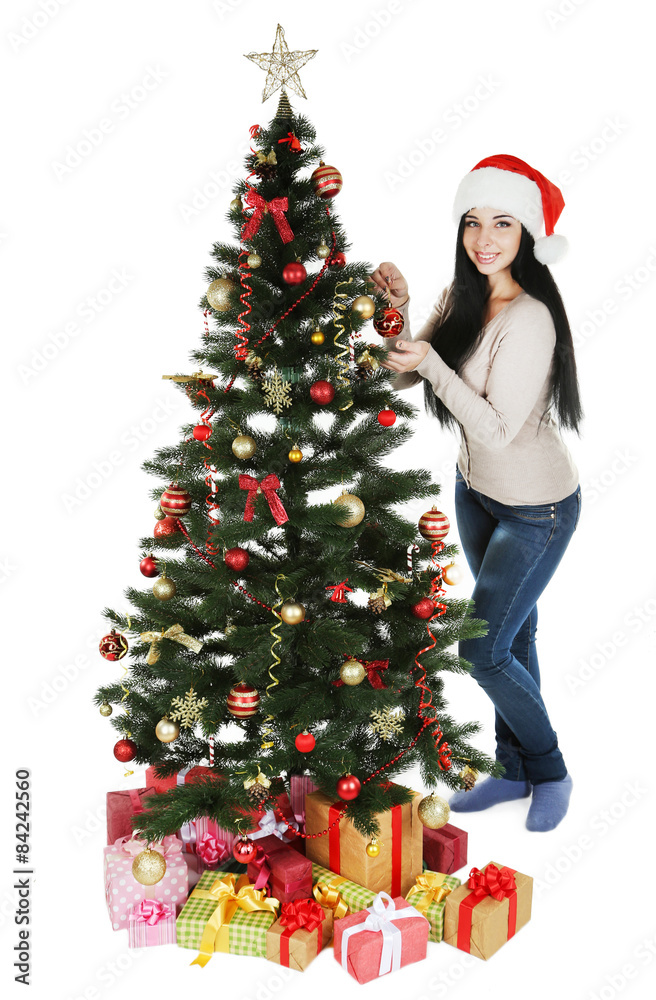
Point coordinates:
[[380, 919], [269, 826]]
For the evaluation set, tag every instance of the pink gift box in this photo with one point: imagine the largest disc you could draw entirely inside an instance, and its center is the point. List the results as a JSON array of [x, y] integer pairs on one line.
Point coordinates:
[[121, 807], [208, 827], [151, 923], [187, 776], [122, 889], [286, 872], [392, 923], [300, 785]]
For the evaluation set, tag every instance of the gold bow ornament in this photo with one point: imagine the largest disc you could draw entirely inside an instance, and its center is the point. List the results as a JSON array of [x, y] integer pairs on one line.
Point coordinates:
[[176, 634], [328, 896], [197, 376], [432, 884], [230, 894]]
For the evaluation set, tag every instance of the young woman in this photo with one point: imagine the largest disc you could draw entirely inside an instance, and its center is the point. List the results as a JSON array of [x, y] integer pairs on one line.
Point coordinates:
[[497, 361]]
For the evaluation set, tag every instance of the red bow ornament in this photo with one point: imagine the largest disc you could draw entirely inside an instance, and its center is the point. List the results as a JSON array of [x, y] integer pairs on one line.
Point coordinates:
[[276, 207], [294, 144], [268, 486], [372, 667], [495, 882], [305, 913]]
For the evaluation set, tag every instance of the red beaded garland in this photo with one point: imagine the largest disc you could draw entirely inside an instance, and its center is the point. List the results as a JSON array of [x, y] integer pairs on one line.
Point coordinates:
[[387, 418], [423, 608], [237, 559], [322, 392], [125, 750], [166, 527], [148, 566], [390, 324], [294, 273], [113, 646], [305, 742]]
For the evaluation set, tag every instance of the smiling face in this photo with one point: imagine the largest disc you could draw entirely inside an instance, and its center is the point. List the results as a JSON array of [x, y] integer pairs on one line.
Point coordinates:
[[491, 239]]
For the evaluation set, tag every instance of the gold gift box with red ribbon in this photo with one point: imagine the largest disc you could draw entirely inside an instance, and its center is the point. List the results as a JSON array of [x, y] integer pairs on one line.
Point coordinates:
[[488, 909]]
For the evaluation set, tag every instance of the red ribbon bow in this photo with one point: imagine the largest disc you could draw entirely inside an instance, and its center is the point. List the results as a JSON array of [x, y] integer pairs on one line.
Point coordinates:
[[268, 486], [299, 913], [294, 144], [276, 207], [338, 591], [372, 667], [263, 870], [495, 882]]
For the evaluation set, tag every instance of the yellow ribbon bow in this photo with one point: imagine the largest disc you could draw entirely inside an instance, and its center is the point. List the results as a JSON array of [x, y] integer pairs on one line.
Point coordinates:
[[176, 634], [432, 883], [201, 376], [269, 157], [368, 359], [230, 894], [327, 895]]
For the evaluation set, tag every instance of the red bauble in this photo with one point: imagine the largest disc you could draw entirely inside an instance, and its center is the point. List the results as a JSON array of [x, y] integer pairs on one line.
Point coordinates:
[[322, 392], [125, 750], [387, 418], [390, 324], [149, 567], [348, 787], [423, 608], [237, 559], [113, 646], [244, 850], [326, 181], [294, 273], [337, 260], [243, 700], [434, 525], [166, 527], [175, 501], [305, 742], [202, 432]]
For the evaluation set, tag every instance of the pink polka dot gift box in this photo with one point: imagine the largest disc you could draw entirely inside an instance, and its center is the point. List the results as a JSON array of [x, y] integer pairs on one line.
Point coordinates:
[[121, 888]]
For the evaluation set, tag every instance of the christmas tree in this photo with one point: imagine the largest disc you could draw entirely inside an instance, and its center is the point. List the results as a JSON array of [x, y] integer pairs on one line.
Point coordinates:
[[257, 646]]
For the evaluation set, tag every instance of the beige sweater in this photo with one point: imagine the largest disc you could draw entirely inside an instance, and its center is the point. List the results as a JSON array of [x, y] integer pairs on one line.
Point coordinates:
[[498, 399]]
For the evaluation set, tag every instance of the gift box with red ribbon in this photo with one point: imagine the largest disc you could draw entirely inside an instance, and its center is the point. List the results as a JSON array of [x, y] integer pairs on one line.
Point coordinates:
[[151, 922], [121, 807], [122, 889], [489, 909], [343, 849], [445, 849], [298, 935], [300, 785], [286, 872], [380, 939]]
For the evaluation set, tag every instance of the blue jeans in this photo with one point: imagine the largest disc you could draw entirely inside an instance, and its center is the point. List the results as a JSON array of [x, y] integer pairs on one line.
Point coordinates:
[[513, 552]]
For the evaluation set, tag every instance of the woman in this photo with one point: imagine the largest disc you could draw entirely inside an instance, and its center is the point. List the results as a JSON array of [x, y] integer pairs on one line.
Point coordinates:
[[497, 359]]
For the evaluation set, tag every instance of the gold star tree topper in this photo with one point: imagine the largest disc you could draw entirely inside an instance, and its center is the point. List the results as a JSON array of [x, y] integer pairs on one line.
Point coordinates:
[[281, 66]]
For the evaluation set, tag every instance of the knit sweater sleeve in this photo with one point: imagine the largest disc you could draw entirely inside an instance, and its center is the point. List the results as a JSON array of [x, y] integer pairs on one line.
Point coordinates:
[[404, 380], [520, 368]]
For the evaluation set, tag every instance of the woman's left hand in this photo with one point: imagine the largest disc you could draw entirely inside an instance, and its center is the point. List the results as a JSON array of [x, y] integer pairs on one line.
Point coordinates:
[[409, 354]]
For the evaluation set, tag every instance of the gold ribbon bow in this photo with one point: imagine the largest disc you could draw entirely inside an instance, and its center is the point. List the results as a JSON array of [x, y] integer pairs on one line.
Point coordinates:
[[269, 157], [230, 894], [201, 376], [327, 895], [368, 359], [176, 634], [384, 575], [432, 883]]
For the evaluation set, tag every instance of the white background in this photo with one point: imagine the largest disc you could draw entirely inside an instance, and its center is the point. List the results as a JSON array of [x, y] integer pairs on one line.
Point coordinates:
[[571, 93]]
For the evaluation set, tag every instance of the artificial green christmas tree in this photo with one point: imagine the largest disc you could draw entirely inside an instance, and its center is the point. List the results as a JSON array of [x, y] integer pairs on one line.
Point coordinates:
[[277, 518]]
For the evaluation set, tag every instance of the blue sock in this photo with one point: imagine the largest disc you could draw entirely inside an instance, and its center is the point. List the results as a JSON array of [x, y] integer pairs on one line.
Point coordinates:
[[489, 793], [549, 804]]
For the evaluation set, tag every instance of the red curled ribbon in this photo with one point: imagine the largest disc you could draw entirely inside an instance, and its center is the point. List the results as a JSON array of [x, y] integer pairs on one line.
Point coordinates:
[[276, 207], [305, 913], [338, 590], [496, 882], [372, 667], [268, 486], [263, 870]]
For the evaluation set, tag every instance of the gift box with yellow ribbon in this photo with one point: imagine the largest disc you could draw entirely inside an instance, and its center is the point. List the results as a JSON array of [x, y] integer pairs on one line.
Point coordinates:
[[428, 895], [227, 914], [298, 935], [339, 894]]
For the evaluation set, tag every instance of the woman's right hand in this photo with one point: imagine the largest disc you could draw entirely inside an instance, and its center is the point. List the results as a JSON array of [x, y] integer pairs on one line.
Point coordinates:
[[387, 277]]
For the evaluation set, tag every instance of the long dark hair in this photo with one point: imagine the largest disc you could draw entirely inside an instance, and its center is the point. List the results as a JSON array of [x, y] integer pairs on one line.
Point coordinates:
[[458, 333]]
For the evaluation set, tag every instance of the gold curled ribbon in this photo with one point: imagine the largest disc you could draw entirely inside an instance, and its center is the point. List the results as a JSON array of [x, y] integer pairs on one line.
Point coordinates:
[[328, 896], [176, 634], [431, 883], [200, 376], [230, 895], [338, 322], [267, 731]]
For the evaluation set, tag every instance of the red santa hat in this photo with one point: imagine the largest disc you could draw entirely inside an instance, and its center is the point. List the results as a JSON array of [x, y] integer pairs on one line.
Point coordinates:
[[508, 183]]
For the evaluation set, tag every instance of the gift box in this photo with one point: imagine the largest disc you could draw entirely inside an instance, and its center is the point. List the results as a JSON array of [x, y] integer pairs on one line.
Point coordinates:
[[485, 912], [383, 938], [228, 914], [151, 922], [343, 849], [122, 889], [445, 850], [208, 827], [339, 894], [188, 775], [287, 873], [121, 807], [428, 895], [275, 818], [301, 931], [300, 785]]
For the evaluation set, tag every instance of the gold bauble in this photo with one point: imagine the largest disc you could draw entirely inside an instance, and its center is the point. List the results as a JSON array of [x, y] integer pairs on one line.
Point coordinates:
[[149, 867], [159, 513], [166, 731], [452, 574], [292, 612], [243, 446], [236, 205], [164, 588], [218, 294], [364, 306], [295, 455], [253, 260], [433, 812], [373, 848], [317, 337], [352, 672], [323, 250], [105, 709], [354, 509]]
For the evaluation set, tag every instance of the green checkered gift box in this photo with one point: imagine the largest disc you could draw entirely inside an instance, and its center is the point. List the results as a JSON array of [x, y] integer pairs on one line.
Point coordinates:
[[226, 913], [428, 895], [338, 893]]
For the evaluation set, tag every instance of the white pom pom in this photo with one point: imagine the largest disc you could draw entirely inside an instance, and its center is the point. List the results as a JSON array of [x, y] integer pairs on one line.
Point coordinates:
[[549, 249]]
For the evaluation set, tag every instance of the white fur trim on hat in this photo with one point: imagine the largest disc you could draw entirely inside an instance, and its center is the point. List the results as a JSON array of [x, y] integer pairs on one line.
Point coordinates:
[[549, 249], [491, 187]]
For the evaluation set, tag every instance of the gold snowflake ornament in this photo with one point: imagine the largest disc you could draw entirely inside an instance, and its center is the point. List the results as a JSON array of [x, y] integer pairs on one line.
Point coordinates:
[[387, 722], [276, 392], [187, 710], [281, 65]]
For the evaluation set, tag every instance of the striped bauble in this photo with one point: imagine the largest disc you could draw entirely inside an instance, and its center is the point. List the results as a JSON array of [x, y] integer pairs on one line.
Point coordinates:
[[243, 700], [434, 525], [175, 501], [326, 181]]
